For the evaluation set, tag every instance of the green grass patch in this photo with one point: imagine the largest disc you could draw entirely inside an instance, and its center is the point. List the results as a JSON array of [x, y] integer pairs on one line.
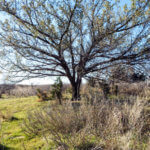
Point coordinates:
[[11, 132]]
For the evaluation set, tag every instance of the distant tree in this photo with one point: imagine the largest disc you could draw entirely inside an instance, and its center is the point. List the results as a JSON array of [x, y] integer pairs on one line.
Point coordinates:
[[121, 73], [2, 91], [57, 90], [91, 82], [126, 74], [136, 77], [72, 38]]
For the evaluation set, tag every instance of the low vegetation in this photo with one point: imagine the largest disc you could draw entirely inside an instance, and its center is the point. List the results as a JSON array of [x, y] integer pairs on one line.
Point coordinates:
[[120, 122], [105, 42], [98, 126], [13, 112]]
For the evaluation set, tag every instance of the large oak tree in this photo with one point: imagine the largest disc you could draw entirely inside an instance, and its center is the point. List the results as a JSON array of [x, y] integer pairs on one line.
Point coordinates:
[[72, 38]]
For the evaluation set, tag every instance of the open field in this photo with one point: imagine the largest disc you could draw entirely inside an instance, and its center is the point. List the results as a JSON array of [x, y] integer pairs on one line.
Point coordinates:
[[102, 125], [11, 132]]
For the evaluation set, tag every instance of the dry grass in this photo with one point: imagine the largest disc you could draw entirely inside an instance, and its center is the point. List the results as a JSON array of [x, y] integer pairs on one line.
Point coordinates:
[[137, 89], [103, 125], [94, 123], [7, 116]]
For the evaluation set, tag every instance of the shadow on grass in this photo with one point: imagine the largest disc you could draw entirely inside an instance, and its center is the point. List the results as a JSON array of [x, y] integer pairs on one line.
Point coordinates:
[[14, 118], [2, 147]]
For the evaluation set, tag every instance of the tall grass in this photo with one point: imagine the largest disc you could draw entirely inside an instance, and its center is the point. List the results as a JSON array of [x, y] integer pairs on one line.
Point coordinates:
[[92, 126]]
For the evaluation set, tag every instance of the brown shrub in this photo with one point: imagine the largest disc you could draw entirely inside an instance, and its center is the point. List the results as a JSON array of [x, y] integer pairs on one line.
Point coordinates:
[[111, 126], [137, 89], [42, 95]]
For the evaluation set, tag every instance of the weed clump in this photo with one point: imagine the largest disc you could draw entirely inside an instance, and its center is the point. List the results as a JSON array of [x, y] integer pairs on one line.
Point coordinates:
[[42, 95], [8, 116]]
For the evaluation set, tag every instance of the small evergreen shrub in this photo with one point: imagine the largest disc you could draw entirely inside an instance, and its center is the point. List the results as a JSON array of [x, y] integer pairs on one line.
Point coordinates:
[[57, 90]]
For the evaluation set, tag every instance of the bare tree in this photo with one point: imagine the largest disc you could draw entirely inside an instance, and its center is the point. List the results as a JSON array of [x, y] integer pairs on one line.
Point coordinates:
[[72, 38]]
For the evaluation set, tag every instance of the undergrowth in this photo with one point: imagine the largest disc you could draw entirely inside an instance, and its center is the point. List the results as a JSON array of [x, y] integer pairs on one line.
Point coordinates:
[[98, 126]]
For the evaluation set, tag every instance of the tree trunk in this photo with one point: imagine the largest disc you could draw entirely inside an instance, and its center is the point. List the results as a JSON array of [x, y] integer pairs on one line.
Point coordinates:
[[76, 90], [60, 101]]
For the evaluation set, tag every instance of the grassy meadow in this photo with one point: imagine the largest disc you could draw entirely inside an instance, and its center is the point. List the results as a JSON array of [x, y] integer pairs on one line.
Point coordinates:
[[11, 132], [119, 122]]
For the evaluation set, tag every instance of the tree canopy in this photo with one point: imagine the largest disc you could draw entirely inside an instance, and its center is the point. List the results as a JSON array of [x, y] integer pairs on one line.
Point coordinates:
[[73, 38]]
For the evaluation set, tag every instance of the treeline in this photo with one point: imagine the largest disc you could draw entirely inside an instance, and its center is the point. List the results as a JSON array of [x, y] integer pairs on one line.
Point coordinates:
[[21, 90]]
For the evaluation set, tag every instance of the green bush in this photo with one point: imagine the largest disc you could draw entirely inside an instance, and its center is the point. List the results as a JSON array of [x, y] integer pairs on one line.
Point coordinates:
[[57, 90]]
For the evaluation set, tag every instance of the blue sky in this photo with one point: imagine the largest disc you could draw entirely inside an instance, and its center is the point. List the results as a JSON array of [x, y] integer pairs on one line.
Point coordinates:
[[47, 80]]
